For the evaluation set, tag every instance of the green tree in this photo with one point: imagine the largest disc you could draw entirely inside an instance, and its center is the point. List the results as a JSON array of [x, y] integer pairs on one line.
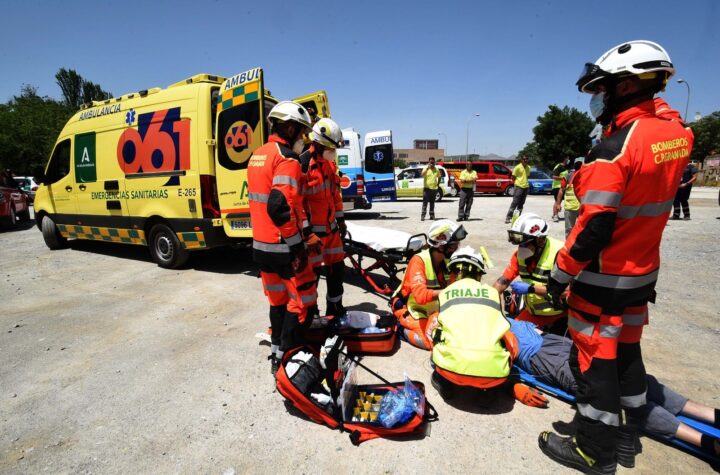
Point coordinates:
[[29, 125], [77, 91], [707, 136], [559, 133], [399, 163]]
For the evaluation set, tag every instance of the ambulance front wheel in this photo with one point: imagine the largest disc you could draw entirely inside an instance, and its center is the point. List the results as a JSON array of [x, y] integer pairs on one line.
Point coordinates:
[[51, 235], [165, 248]]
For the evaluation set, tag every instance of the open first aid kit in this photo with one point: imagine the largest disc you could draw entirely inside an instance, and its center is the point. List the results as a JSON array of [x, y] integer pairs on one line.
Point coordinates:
[[323, 386], [362, 332]]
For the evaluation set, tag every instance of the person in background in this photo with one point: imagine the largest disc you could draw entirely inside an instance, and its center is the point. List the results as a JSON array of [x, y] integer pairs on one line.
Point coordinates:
[[557, 173], [682, 196], [546, 356], [416, 299], [520, 177], [567, 194], [431, 181], [468, 179], [612, 256]]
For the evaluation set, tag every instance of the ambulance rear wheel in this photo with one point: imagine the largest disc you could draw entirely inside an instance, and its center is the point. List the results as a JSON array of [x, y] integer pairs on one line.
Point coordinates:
[[165, 247], [51, 235]]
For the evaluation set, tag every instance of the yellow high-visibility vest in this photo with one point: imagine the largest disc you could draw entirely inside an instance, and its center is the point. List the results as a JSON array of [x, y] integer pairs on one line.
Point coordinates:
[[415, 309], [472, 327], [537, 304]]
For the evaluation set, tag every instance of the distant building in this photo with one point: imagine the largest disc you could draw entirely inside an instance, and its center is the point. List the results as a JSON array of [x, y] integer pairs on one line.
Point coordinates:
[[414, 155], [474, 157], [425, 144]]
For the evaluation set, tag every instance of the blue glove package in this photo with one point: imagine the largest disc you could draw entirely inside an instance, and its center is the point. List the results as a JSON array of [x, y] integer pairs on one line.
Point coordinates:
[[520, 287], [398, 406]]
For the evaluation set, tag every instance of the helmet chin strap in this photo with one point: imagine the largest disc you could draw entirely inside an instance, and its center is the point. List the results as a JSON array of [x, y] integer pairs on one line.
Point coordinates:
[[615, 104]]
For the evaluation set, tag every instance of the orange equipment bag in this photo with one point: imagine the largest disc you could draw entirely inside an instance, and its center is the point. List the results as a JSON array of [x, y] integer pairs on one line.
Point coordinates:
[[339, 376], [357, 342]]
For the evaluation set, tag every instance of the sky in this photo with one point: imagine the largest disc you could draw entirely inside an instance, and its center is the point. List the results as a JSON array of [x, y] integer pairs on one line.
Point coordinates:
[[422, 69]]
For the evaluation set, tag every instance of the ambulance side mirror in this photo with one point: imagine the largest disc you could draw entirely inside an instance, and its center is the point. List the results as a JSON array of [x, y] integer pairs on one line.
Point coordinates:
[[39, 175]]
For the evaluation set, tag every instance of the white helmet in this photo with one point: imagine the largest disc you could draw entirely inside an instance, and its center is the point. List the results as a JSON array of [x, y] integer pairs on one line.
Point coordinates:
[[468, 256], [631, 58], [327, 133], [527, 228], [291, 111], [444, 231]]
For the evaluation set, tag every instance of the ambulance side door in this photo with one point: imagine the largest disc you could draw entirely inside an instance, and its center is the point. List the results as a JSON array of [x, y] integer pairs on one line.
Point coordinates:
[[100, 183], [240, 129], [316, 103], [60, 181]]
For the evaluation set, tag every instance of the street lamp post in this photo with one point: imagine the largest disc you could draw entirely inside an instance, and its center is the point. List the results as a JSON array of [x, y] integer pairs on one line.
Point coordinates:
[[687, 103], [446, 143], [467, 137]]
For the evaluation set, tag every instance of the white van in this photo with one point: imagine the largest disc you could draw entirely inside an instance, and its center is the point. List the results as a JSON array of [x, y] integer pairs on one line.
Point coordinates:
[[409, 183]]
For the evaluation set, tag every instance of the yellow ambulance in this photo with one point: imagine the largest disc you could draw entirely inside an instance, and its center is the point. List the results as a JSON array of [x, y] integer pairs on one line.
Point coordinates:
[[166, 168]]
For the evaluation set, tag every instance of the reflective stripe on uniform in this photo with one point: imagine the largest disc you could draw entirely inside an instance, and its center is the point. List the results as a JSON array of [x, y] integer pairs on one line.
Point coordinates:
[[639, 400], [605, 198], [606, 331], [607, 418], [316, 259], [339, 214], [318, 229], [268, 247], [646, 210], [308, 299], [275, 287], [560, 275], [543, 306], [294, 239], [258, 197], [579, 326], [334, 250], [635, 319], [284, 180], [617, 281], [470, 300]]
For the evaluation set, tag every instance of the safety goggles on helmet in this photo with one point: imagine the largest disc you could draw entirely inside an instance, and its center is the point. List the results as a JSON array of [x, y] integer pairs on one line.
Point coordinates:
[[590, 77], [519, 238], [459, 234]]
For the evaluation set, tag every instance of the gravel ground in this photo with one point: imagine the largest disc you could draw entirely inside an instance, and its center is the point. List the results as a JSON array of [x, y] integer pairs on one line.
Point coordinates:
[[113, 365]]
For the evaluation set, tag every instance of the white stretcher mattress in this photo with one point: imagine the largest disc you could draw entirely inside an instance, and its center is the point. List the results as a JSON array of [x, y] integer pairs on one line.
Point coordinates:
[[382, 239]]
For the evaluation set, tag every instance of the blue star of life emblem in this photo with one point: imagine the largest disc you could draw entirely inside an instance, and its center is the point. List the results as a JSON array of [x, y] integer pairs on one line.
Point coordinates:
[[130, 117], [378, 156]]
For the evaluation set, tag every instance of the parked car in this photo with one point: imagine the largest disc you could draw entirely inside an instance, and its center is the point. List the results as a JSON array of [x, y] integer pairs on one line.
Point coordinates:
[[28, 185], [540, 182], [14, 205], [492, 177], [409, 183]]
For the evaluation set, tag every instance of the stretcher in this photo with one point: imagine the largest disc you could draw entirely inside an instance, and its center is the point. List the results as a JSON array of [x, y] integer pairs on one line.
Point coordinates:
[[390, 249], [699, 426]]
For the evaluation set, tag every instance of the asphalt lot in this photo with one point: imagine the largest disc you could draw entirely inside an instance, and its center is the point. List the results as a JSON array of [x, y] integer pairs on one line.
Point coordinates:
[[114, 365]]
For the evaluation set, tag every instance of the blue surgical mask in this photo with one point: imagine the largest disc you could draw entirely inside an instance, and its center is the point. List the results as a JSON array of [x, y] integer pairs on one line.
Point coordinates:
[[597, 104]]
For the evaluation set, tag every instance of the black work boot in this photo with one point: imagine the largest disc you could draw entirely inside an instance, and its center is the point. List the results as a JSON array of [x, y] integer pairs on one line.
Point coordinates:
[[564, 450], [274, 364], [628, 446], [442, 386]]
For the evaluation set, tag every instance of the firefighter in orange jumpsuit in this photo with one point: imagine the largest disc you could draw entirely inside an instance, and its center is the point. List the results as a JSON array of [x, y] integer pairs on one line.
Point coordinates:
[[277, 215], [612, 255], [415, 302], [324, 208]]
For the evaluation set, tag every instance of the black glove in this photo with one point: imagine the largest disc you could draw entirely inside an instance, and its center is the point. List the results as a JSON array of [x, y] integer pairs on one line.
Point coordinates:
[[300, 257], [555, 290], [386, 321]]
